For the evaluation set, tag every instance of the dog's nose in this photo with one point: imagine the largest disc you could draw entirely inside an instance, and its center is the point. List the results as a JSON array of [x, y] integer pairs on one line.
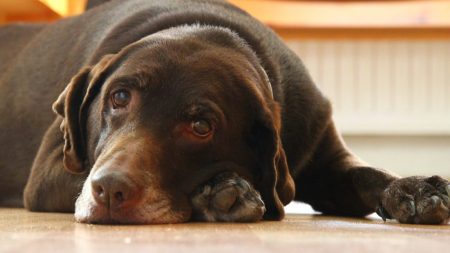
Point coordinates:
[[113, 189]]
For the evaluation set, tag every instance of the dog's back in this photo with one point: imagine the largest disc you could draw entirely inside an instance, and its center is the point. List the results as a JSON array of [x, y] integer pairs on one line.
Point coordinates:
[[13, 38]]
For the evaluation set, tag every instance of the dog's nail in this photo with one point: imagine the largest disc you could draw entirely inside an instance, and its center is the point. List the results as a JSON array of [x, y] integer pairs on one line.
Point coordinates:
[[382, 213], [436, 200], [445, 200], [259, 201], [411, 208], [207, 190]]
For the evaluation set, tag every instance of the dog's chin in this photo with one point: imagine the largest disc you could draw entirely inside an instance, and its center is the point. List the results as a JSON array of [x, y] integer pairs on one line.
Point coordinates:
[[159, 213], [151, 212], [155, 207]]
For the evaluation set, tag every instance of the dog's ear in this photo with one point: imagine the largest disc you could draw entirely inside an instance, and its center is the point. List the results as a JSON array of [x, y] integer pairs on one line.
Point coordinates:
[[72, 105], [274, 181]]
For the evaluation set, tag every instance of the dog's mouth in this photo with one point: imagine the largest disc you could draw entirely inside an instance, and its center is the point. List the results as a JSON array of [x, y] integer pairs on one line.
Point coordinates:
[[161, 212]]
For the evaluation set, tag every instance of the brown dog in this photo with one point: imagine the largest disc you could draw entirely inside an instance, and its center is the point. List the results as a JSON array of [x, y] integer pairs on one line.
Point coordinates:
[[172, 110]]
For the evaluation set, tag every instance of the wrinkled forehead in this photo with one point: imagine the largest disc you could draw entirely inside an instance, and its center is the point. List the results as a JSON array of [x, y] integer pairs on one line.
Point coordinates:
[[176, 70], [185, 63]]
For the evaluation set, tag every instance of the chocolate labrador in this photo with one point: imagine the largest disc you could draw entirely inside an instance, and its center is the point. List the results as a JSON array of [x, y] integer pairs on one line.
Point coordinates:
[[167, 111]]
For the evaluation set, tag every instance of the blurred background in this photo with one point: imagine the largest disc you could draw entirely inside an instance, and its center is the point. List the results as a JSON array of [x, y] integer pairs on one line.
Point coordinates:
[[385, 65]]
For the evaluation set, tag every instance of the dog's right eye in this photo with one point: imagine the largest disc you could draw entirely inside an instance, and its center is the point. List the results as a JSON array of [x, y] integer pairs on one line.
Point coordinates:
[[120, 98]]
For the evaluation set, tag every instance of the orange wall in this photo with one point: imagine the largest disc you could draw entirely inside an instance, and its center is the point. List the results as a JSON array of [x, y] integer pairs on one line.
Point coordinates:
[[38, 10], [426, 19]]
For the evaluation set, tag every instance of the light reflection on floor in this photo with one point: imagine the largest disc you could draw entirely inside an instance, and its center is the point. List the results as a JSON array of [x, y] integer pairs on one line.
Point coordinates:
[[302, 208]]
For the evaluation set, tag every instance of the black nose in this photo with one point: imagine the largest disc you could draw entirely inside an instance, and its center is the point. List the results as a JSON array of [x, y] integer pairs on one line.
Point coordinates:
[[113, 189]]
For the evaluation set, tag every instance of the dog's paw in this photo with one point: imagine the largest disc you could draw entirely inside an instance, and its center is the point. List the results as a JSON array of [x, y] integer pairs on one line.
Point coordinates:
[[227, 197], [417, 200]]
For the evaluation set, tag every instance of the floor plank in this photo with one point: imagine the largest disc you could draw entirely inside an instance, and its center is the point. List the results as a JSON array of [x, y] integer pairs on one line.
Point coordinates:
[[22, 231]]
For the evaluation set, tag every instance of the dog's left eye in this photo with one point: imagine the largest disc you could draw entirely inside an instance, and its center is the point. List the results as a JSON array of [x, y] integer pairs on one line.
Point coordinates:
[[201, 128], [120, 98]]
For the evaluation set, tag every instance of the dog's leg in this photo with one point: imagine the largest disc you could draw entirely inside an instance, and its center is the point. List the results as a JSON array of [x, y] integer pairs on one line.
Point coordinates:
[[336, 182], [50, 187]]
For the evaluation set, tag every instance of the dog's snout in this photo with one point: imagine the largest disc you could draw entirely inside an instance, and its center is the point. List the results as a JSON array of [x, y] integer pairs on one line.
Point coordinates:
[[113, 189]]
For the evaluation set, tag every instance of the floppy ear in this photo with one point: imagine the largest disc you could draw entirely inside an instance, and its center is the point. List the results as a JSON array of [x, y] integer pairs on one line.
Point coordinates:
[[71, 106], [274, 182]]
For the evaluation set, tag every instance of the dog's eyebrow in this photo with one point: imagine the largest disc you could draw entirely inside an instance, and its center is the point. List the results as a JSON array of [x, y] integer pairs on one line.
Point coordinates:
[[129, 80], [134, 80], [204, 108]]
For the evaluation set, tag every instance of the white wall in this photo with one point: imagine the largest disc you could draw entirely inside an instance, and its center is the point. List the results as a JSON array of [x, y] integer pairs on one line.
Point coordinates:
[[405, 155], [391, 99]]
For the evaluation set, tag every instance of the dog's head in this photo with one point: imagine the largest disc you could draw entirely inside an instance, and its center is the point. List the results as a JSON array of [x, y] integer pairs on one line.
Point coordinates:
[[157, 119]]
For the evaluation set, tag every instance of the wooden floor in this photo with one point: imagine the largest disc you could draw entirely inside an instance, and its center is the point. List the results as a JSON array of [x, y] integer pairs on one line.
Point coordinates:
[[22, 231]]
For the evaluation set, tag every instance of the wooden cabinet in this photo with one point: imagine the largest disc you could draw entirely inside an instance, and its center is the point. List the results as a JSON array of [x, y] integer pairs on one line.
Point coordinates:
[[38, 10], [353, 19]]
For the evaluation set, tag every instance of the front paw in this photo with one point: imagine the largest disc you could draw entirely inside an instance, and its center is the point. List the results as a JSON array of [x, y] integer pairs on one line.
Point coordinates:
[[417, 200], [227, 197]]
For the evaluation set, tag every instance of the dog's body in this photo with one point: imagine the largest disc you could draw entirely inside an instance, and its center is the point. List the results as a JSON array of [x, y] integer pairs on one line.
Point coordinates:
[[275, 129]]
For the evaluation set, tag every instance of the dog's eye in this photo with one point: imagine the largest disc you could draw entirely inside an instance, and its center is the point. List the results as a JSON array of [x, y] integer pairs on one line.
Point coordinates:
[[120, 98], [201, 128]]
